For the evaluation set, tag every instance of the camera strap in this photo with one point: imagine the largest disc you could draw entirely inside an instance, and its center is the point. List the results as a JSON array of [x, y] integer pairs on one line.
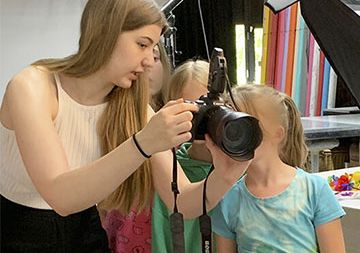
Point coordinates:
[[176, 218], [205, 222]]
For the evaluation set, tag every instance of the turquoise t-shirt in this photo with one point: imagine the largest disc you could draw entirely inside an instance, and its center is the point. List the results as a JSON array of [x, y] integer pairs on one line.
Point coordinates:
[[283, 223], [161, 235]]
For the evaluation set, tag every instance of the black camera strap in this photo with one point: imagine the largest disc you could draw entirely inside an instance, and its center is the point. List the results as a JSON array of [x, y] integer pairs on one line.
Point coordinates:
[[176, 218], [205, 222]]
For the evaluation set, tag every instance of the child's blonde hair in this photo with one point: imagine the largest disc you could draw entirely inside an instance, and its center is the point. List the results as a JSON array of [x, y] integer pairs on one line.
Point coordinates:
[[293, 150], [158, 100], [190, 70]]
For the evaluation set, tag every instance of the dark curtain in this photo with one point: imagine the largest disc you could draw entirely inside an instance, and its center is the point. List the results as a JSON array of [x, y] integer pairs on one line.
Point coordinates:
[[220, 18], [344, 97], [337, 30]]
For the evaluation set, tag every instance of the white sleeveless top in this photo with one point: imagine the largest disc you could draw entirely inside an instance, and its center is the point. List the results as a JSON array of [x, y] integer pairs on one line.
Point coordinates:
[[76, 125]]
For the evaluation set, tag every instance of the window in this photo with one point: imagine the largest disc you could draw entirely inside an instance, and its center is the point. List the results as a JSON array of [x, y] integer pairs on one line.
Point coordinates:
[[248, 54]]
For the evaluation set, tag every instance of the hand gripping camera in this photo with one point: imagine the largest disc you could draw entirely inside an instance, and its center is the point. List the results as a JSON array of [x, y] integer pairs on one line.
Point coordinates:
[[237, 134]]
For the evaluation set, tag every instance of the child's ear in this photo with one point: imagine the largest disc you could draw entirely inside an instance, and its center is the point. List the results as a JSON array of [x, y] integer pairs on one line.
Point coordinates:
[[280, 134]]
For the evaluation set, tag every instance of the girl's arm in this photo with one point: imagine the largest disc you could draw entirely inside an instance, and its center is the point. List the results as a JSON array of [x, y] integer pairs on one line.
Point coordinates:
[[330, 237], [28, 110], [227, 171], [224, 245]]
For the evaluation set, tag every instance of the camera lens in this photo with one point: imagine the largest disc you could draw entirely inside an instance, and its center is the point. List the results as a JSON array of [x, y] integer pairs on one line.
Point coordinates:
[[237, 134], [241, 137]]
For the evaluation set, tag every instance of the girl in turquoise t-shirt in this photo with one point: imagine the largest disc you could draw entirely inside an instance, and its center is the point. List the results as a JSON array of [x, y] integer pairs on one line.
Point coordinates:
[[276, 206]]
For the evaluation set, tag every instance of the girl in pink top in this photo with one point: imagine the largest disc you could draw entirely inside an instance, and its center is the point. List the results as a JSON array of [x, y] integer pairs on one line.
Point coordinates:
[[128, 233]]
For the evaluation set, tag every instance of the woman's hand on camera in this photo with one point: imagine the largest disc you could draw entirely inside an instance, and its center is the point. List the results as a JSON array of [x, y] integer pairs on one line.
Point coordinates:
[[168, 128], [231, 169]]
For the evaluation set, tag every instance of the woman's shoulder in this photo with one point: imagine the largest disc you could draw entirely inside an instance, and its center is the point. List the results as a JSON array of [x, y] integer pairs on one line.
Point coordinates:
[[31, 86], [31, 78]]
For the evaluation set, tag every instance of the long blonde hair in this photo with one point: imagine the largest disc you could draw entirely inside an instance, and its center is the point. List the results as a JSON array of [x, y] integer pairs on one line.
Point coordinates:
[[190, 70], [293, 150], [101, 24]]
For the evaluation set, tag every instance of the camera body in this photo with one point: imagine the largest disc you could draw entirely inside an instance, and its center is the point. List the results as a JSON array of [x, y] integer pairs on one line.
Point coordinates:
[[237, 134]]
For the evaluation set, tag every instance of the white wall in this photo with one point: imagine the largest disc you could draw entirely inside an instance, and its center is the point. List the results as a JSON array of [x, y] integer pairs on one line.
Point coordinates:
[[34, 29], [161, 2]]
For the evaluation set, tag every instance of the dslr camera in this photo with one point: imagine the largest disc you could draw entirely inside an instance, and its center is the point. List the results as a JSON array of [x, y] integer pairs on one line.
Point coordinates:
[[237, 134]]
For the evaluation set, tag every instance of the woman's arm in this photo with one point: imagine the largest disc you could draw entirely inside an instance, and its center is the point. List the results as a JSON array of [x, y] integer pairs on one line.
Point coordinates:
[[330, 237], [29, 102], [224, 245]]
